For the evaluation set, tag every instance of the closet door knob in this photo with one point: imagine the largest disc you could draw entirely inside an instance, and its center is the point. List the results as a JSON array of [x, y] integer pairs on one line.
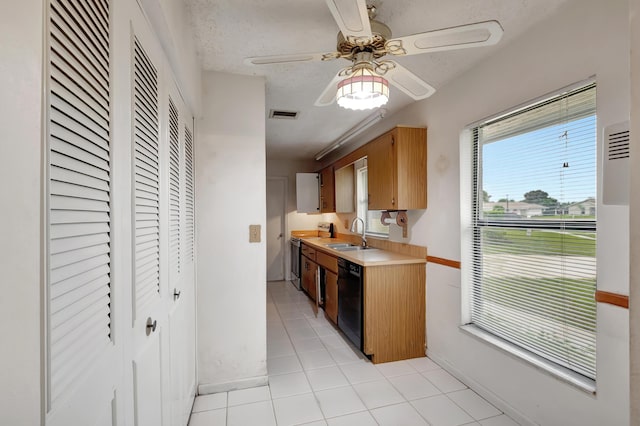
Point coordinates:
[[151, 325]]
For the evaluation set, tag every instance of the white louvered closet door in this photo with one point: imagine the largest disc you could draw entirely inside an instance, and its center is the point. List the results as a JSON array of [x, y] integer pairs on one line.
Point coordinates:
[[182, 305], [149, 224], [81, 359], [189, 190], [188, 256]]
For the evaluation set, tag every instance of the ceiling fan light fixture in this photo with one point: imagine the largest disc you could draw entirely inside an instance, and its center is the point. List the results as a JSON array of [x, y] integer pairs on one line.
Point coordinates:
[[362, 90]]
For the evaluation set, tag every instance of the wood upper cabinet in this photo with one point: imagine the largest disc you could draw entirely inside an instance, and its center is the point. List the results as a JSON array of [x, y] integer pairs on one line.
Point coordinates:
[[397, 170], [345, 189], [327, 191]]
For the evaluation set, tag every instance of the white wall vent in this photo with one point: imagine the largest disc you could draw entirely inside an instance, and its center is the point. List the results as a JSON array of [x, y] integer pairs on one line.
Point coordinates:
[[616, 164], [290, 115]]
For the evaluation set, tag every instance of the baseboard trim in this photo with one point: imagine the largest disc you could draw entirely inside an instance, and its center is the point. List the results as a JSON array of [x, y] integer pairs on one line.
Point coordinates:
[[500, 403], [251, 382]]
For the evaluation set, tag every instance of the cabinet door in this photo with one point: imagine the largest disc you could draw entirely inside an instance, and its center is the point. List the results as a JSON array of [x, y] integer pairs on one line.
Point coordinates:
[[331, 295], [345, 189], [307, 195], [309, 277], [327, 194], [381, 172], [411, 168]]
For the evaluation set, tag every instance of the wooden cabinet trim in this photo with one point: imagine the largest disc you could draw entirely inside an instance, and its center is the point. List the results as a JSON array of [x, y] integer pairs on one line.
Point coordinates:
[[612, 299]]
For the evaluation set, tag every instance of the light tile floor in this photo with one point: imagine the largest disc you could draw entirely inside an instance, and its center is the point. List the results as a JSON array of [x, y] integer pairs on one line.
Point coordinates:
[[317, 378]]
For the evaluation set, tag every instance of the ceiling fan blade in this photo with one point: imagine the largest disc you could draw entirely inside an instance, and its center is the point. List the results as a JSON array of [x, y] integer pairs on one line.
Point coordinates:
[[351, 16], [284, 59], [328, 95], [408, 82], [461, 37]]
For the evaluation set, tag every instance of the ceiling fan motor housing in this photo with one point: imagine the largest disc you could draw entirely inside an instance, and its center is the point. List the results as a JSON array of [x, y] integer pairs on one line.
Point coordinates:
[[380, 34]]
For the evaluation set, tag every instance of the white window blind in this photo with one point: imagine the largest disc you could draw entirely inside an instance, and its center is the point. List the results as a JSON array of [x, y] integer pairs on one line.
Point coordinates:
[[189, 195], [79, 192], [174, 190], [534, 229], [146, 179]]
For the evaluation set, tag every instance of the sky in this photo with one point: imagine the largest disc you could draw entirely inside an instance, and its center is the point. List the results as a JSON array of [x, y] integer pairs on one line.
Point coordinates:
[[560, 160]]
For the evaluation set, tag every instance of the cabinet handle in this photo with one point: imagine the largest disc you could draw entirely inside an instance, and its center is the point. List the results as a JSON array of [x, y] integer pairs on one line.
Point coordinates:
[[151, 326], [176, 294], [393, 201]]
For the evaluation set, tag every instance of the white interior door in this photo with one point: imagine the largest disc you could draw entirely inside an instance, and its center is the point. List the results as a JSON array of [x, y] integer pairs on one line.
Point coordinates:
[[276, 198]]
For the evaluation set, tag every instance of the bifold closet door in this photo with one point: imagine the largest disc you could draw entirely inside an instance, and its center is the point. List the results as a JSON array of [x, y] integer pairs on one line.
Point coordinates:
[[83, 364], [181, 277], [149, 228]]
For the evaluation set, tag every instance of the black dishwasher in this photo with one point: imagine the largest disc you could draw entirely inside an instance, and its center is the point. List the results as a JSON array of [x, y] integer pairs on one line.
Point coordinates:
[[350, 319]]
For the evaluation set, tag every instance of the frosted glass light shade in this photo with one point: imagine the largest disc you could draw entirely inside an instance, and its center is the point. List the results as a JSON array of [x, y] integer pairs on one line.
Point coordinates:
[[362, 90]]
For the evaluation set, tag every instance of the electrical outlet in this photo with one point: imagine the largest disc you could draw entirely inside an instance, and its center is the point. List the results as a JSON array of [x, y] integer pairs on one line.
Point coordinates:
[[254, 233], [346, 224]]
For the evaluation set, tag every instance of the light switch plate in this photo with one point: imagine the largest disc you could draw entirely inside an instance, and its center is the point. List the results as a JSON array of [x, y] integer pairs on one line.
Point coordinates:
[[254, 233]]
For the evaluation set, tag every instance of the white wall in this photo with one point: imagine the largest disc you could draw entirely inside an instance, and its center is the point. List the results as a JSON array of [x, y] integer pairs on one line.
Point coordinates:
[[634, 209], [20, 192], [230, 194], [172, 25], [585, 37]]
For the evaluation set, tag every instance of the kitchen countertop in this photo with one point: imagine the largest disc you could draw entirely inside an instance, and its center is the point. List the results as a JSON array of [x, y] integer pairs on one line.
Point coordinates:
[[369, 257]]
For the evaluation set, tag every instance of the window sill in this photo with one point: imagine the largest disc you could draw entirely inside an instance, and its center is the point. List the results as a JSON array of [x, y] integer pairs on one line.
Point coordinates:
[[564, 374]]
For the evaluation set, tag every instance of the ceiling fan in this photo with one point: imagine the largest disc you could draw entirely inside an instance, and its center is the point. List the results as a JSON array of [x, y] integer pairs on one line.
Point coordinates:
[[365, 42]]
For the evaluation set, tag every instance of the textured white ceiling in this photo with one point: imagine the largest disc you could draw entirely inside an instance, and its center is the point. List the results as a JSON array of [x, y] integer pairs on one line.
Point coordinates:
[[227, 31]]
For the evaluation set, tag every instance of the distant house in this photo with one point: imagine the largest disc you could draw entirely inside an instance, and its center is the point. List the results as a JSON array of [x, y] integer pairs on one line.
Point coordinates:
[[583, 208], [514, 207]]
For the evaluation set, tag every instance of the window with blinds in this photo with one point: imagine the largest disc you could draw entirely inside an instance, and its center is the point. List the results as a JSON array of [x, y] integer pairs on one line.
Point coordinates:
[[534, 228], [174, 190], [146, 138], [189, 195], [79, 191]]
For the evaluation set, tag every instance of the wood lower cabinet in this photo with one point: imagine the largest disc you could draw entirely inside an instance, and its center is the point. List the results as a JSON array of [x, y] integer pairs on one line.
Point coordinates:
[[394, 303], [309, 272], [394, 312], [397, 170], [329, 265], [331, 296]]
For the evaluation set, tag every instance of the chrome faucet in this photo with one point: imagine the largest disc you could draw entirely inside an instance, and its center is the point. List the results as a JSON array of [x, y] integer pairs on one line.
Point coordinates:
[[353, 229]]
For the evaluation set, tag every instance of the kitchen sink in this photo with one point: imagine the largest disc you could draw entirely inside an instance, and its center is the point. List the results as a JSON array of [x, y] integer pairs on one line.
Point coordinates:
[[353, 248], [340, 245]]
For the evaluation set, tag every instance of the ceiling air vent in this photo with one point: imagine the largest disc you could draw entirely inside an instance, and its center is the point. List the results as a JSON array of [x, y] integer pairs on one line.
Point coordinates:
[[616, 164], [291, 115]]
